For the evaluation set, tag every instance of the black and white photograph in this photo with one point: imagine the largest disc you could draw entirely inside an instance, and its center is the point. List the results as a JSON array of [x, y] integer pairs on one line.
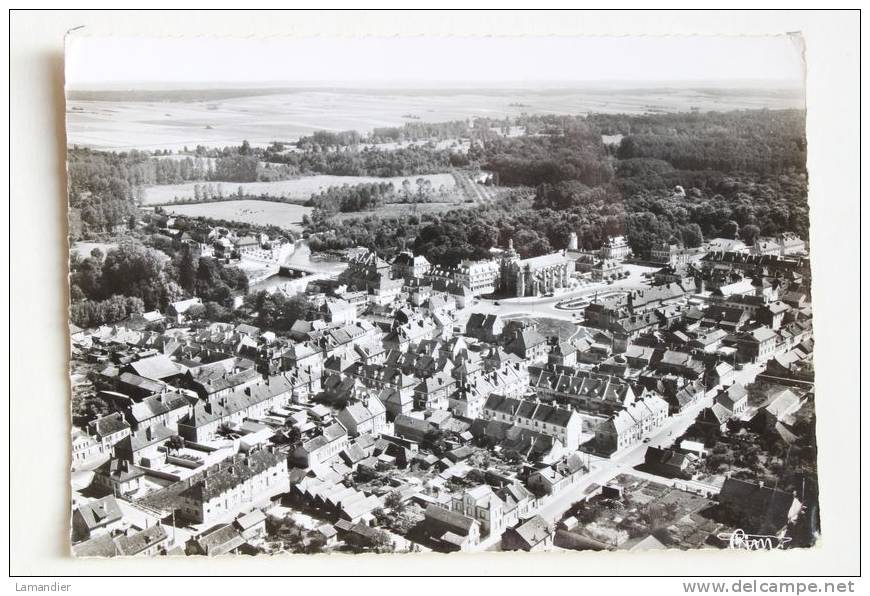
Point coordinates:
[[402, 315], [336, 297]]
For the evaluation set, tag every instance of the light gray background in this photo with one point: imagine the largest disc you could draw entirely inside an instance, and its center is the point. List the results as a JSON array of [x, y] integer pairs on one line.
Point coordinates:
[[39, 393]]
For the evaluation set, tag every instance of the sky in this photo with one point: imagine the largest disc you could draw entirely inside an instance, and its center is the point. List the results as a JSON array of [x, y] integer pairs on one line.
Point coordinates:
[[93, 62]]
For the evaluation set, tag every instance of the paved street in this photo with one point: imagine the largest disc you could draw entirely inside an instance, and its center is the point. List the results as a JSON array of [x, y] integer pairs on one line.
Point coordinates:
[[542, 306]]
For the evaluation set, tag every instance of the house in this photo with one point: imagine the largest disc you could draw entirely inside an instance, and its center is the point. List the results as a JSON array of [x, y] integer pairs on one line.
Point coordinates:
[[756, 508], [410, 267], [631, 424], [178, 310], [143, 446], [109, 429], [725, 317], [721, 373], [452, 530], [97, 516], [781, 408], [208, 417], [366, 416], [219, 379], [756, 345], [482, 504], [680, 364], [716, 416], [562, 353], [361, 535], [329, 534], [592, 394], [563, 424], [412, 428], [772, 314], [396, 402], [338, 311], [164, 408], [534, 534], [528, 344], [302, 356], [432, 393], [638, 356], [136, 387], [332, 440], [119, 476], [734, 398], [148, 542], [484, 327], [666, 462], [221, 540], [650, 542], [556, 477], [252, 524]]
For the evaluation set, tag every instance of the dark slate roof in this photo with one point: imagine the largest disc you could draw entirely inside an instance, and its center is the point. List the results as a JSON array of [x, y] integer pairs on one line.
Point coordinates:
[[100, 512], [533, 531], [765, 503], [109, 424], [140, 541], [448, 521]]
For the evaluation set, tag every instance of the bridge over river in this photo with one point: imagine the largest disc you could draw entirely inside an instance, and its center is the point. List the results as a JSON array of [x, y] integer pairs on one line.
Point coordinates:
[[297, 269]]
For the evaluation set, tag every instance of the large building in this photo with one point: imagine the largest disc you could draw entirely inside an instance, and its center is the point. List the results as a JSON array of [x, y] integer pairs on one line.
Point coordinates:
[[408, 266], [370, 273], [535, 275], [631, 424], [233, 483], [481, 277], [615, 247], [563, 424], [671, 253]]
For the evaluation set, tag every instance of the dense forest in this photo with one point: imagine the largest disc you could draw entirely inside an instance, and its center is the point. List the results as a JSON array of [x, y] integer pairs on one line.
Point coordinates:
[[746, 177], [368, 161], [686, 176], [369, 196], [146, 272]]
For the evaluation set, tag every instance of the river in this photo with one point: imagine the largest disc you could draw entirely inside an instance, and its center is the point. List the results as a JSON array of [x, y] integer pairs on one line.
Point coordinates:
[[300, 257]]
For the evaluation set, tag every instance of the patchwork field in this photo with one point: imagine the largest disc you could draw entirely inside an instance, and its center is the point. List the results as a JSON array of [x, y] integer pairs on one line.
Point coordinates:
[[285, 215], [297, 189]]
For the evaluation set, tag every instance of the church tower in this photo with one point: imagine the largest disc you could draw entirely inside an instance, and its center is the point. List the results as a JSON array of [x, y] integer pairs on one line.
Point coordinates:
[[572, 241], [510, 262]]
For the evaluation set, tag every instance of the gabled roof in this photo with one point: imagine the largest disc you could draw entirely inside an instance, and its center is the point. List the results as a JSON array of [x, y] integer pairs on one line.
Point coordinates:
[[221, 540], [755, 500], [136, 543], [449, 521], [101, 512], [155, 367], [533, 531], [109, 424]]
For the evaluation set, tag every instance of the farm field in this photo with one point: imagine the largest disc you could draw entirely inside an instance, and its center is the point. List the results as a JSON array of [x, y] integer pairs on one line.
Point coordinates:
[[285, 215], [149, 125], [297, 188]]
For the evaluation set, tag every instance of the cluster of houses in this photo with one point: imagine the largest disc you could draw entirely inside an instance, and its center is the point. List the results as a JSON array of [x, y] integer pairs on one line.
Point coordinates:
[[393, 395]]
